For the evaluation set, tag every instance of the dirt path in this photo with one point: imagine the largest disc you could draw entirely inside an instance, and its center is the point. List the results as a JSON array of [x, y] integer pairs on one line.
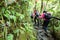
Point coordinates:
[[41, 34]]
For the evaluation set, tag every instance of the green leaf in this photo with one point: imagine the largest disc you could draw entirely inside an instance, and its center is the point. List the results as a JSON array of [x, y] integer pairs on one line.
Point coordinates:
[[21, 16], [10, 37], [7, 16], [13, 17]]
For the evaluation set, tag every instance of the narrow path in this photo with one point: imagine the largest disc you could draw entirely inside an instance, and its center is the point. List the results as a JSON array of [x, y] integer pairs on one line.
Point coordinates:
[[41, 34]]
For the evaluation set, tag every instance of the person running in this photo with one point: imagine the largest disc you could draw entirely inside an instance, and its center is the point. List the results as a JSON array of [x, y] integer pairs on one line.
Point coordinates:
[[46, 16]]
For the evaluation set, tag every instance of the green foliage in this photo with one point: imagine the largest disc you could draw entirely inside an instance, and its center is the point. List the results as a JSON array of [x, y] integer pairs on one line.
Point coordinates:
[[16, 20], [10, 37]]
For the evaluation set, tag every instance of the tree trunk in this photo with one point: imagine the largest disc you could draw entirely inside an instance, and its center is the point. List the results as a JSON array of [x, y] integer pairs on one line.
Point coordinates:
[[41, 5]]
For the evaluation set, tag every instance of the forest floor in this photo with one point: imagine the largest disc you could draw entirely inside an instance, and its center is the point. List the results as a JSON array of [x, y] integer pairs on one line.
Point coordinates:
[[41, 34]]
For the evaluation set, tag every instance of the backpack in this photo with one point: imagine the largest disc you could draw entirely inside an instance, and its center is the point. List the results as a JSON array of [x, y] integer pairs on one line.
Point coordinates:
[[37, 13], [47, 16]]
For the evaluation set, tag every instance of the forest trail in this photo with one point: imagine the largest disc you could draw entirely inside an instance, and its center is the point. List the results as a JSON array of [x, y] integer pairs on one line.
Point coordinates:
[[41, 35]]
